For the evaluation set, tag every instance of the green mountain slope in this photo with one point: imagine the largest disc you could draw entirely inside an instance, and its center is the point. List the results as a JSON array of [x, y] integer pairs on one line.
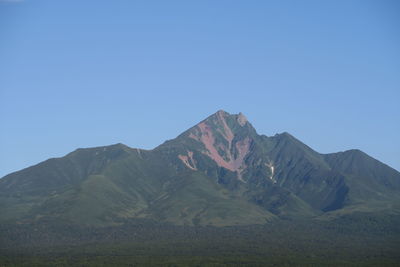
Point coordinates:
[[219, 172]]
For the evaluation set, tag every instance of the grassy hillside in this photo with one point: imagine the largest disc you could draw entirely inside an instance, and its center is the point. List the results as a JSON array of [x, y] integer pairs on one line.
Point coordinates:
[[219, 172]]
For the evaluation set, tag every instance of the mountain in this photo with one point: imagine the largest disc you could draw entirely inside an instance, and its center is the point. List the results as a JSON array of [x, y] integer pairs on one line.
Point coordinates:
[[220, 172]]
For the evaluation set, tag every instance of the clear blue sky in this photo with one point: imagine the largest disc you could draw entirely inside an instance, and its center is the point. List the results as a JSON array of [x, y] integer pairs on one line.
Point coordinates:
[[91, 73]]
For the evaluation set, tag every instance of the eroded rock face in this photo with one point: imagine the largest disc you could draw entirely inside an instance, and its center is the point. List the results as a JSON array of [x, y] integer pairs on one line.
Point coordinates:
[[220, 144], [188, 160]]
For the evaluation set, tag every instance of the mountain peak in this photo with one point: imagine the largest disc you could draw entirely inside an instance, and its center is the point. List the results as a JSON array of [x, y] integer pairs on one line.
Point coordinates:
[[222, 116], [222, 112], [241, 119], [225, 138], [229, 125], [218, 171]]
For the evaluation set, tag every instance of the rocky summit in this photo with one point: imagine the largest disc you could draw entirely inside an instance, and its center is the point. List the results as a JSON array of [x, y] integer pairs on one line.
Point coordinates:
[[220, 172]]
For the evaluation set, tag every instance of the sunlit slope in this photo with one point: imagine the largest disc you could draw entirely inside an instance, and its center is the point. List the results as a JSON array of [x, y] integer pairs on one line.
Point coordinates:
[[219, 172]]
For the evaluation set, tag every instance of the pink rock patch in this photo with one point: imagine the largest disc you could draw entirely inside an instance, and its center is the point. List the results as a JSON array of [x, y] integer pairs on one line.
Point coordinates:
[[188, 160], [227, 131], [243, 148], [231, 163]]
